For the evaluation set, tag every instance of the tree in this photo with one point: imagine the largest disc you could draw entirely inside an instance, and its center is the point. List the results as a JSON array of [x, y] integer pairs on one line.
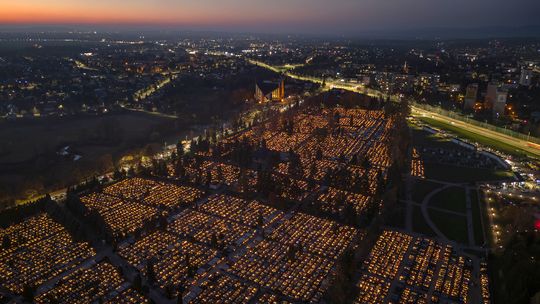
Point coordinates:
[[131, 171], [291, 253], [105, 162], [364, 183], [350, 214], [208, 179], [169, 290], [6, 242], [137, 283], [163, 223], [181, 290], [29, 293], [260, 221], [519, 265], [341, 289], [214, 240], [319, 154], [243, 180], [219, 174], [179, 149], [179, 168], [150, 272], [117, 174]]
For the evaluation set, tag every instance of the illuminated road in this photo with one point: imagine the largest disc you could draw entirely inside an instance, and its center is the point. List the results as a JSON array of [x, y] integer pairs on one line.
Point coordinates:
[[329, 83], [524, 145], [153, 88], [160, 114], [520, 144]]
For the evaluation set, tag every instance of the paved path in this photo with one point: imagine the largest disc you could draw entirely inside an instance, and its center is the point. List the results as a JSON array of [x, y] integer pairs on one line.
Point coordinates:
[[409, 207], [470, 227], [456, 213], [485, 227], [425, 212]]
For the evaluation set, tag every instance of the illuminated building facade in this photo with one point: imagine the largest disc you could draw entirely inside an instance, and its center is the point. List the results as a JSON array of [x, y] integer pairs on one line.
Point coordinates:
[[267, 91], [526, 77], [500, 103], [470, 96]]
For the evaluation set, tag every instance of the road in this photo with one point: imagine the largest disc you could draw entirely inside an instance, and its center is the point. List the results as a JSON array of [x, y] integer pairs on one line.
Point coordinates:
[[524, 145], [329, 83]]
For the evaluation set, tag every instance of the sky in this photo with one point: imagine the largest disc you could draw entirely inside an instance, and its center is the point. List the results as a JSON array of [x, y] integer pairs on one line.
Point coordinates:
[[283, 16]]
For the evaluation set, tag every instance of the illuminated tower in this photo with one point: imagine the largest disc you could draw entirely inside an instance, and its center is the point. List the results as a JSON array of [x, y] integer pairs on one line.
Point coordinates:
[[282, 89], [278, 94], [406, 68]]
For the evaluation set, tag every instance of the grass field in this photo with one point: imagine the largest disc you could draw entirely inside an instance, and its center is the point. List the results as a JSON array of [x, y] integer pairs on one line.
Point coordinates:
[[23, 140], [397, 217], [419, 223], [456, 174], [452, 199], [449, 173], [422, 188], [30, 165], [498, 145], [424, 138], [452, 226], [477, 219]]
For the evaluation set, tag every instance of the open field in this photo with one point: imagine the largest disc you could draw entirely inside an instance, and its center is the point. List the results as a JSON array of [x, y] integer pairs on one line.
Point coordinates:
[[448, 170], [419, 223], [477, 219], [456, 174], [423, 188], [452, 199], [452, 226], [30, 163], [447, 209], [25, 140], [424, 138]]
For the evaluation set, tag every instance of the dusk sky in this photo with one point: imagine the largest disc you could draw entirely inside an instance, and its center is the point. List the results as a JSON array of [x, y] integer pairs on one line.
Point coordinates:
[[327, 16]]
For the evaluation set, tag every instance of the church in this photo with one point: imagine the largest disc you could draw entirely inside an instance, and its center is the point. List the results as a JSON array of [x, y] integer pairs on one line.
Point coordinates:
[[270, 91]]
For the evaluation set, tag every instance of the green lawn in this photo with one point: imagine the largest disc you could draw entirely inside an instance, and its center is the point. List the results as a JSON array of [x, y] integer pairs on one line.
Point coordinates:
[[486, 141], [419, 223], [456, 174], [477, 219], [397, 217], [449, 173], [452, 226], [422, 188], [452, 199], [424, 138]]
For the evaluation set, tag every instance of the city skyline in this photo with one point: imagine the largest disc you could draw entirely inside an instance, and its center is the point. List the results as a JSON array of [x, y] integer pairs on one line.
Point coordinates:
[[344, 17]]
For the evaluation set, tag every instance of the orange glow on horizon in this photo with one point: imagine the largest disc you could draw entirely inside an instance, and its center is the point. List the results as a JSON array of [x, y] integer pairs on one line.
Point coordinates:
[[35, 15], [78, 12]]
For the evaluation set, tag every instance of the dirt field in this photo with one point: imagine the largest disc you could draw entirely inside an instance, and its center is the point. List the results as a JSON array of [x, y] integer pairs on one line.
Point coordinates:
[[29, 153]]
